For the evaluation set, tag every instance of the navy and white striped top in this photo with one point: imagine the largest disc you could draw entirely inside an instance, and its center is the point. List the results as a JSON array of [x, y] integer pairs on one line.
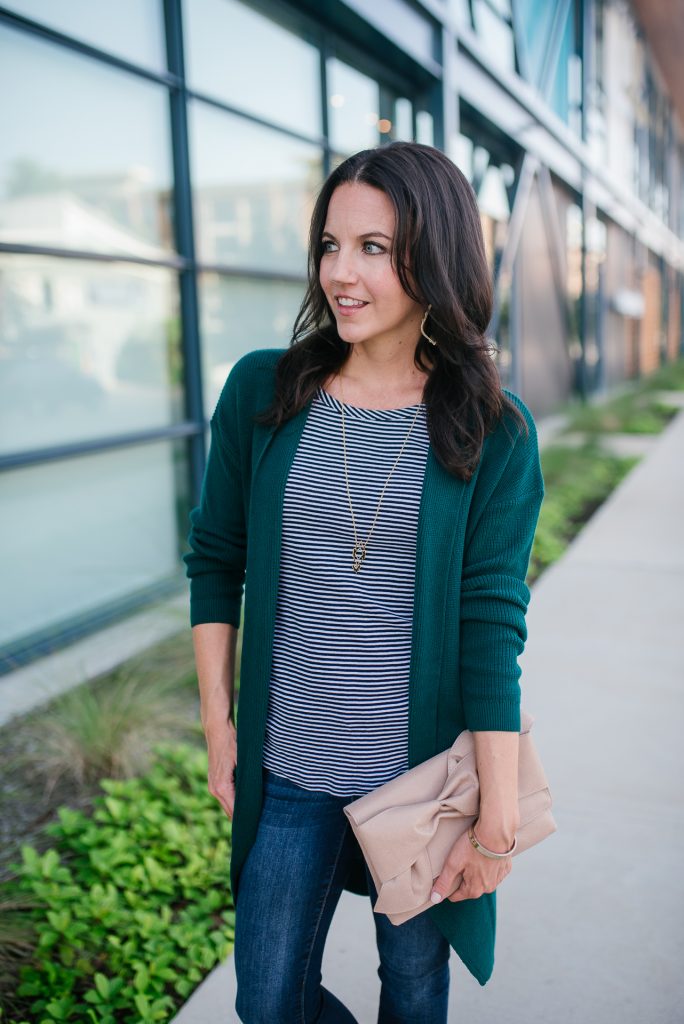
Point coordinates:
[[338, 704]]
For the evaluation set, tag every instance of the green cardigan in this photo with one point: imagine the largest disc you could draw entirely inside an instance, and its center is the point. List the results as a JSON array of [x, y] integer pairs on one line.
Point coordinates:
[[473, 547]]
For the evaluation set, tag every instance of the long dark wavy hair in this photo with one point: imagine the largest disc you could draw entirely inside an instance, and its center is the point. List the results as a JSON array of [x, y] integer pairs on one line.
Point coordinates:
[[439, 257]]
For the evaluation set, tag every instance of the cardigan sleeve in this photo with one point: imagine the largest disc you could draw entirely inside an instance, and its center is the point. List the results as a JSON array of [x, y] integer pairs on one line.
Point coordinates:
[[494, 595], [218, 539]]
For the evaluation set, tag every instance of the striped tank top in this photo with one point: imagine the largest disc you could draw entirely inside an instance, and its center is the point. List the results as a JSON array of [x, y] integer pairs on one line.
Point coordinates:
[[338, 701]]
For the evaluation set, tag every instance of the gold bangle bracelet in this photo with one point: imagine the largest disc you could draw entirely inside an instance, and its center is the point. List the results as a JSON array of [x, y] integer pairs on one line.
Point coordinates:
[[477, 845]]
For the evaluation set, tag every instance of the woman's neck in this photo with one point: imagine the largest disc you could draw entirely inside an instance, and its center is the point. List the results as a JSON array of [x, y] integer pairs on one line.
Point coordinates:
[[378, 380]]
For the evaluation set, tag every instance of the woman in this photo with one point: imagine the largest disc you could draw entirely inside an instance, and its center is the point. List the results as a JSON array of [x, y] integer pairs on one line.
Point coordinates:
[[380, 491]]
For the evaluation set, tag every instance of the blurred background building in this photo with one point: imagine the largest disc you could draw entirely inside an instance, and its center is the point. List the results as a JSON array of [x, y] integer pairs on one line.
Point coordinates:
[[158, 163]]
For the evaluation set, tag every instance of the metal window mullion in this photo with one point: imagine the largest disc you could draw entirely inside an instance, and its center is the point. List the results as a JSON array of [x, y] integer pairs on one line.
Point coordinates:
[[54, 36], [185, 240], [245, 115], [171, 262], [324, 53], [95, 446]]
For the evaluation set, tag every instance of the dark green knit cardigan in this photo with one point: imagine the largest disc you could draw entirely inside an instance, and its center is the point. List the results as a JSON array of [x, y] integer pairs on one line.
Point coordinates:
[[473, 548]]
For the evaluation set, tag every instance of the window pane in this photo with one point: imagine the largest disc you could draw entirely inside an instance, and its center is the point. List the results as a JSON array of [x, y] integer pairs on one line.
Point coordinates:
[[86, 350], [80, 533], [403, 120], [132, 29], [353, 108], [239, 56], [535, 20], [496, 34], [253, 190], [237, 316], [85, 161], [425, 128]]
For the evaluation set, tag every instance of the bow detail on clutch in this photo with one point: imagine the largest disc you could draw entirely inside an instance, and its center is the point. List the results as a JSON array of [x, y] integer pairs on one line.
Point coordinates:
[[407, 827]]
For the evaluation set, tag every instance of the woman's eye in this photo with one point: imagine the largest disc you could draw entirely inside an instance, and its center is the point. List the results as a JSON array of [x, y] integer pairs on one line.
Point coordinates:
[[327, 246], [373, 248]]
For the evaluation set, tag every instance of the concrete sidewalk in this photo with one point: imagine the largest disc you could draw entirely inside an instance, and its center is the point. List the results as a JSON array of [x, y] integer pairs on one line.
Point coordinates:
[[590, 923]]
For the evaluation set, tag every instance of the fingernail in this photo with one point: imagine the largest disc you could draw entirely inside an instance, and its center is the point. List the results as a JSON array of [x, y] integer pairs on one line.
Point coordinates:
[[435, 897]]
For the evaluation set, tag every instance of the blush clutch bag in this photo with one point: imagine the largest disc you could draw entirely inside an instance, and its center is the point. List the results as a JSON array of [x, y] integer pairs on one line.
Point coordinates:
[[407, 827]]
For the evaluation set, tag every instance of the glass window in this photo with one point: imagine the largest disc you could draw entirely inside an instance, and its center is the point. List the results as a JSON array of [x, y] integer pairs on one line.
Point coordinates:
[[239, 56], [535, 20], [460, 11], [403, 120], [237, 316], [495, 31], [90, 530], [86, 350], [353, 108], [493, 180], [425, 128], [132, 29], [254, 190], [412, 29], [86, 158]]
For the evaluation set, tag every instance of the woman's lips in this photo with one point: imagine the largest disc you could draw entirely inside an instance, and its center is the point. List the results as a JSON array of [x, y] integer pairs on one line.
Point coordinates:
[[348, 310]]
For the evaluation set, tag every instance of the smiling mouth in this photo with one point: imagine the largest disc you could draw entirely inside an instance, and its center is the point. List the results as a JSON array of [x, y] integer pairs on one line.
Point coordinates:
[[346, 303]]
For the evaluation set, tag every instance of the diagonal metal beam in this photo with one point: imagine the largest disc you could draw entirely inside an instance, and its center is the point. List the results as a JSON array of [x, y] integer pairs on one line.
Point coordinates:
[[554, 236], [529, 167]]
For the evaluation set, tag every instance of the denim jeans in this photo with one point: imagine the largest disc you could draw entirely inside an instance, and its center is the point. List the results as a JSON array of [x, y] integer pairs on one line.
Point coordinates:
[[289, 887]]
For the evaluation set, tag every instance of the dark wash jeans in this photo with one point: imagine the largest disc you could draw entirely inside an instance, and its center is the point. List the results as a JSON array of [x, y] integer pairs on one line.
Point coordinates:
[[289, 887]]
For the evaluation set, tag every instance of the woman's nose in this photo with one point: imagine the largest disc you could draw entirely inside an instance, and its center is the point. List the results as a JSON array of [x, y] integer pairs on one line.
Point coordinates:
[[345, 268]]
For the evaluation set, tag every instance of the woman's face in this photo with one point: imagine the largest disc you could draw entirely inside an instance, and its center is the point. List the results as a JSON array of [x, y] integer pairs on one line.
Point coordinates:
[[356, 273]]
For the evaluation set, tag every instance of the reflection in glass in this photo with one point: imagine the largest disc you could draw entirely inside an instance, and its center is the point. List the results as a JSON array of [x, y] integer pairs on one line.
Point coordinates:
[[535, 21], [461, 12], [130, 29], [574, 228], [85, 161], [495, 31], [239, 56], [80, 533], [253, 190], [493, 182], [403, 120], [353, 108], [425, 128], [86, 350], [237, 316]]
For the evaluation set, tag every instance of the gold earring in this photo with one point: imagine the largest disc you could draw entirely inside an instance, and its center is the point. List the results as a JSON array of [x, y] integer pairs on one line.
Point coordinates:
[[422, 327]]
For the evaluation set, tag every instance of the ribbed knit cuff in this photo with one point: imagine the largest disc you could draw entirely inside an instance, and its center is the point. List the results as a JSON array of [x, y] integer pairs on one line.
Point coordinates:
[[501, 714], [214, 609]]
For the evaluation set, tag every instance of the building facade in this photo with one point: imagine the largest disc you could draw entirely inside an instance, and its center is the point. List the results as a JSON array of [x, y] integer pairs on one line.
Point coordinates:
[[158, 164]]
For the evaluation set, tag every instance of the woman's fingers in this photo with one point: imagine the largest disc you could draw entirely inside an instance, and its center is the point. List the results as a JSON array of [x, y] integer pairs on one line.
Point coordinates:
[[481, 878], [225, 794], [221, 775], [466, 874], [451, 877]]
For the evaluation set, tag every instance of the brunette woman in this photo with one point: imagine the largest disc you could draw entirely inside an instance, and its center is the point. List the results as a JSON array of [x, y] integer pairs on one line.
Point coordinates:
[[377, 491]]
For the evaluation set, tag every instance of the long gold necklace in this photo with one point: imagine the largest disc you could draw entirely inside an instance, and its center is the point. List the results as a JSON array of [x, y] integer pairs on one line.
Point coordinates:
[[359, 548]]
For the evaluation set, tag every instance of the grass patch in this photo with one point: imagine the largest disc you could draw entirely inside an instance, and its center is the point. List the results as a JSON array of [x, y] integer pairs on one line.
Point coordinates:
[[665, 378], [639, 410], [638, 413], [577, 481], [57, 754]]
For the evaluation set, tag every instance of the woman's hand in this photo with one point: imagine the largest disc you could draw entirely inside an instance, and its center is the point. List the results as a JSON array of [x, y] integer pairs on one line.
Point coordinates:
[[467, 873], [222, 750]]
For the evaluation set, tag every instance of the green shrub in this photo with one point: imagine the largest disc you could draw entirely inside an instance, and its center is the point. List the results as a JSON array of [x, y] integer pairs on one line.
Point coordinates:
[[136, 907], [576, 481], [666, 378], [637, 412]]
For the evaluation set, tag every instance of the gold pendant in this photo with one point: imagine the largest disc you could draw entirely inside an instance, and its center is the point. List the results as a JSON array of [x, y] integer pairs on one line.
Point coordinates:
[[358, 555]]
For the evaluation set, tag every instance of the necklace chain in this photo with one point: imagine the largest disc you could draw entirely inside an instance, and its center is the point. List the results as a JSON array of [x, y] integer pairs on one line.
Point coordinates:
[[360, 547]]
